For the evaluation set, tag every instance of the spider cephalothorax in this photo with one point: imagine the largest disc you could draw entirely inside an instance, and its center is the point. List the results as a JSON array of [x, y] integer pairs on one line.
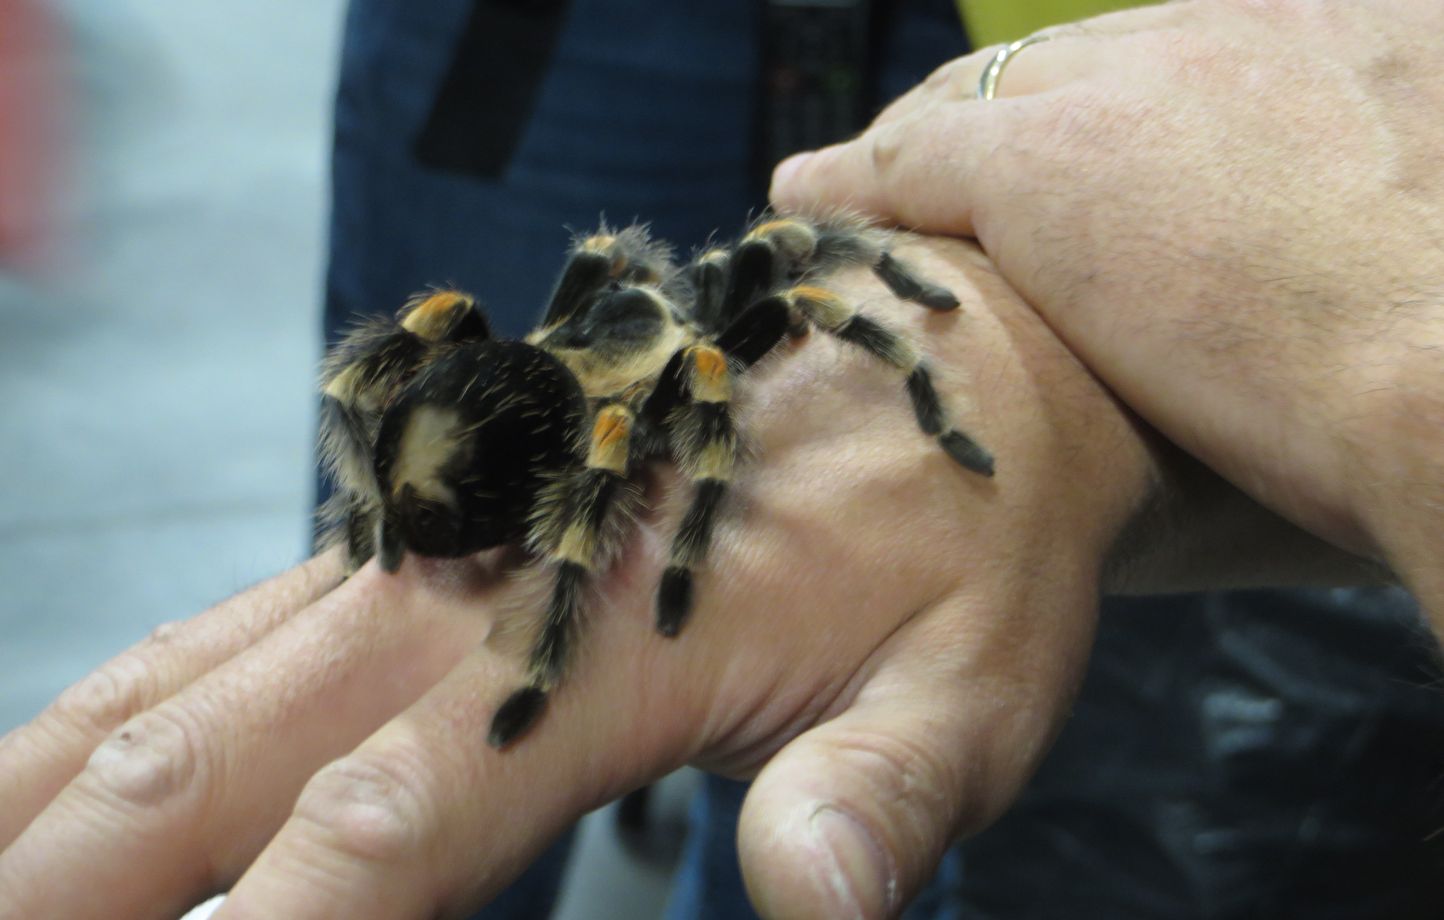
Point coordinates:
[[445, 441]]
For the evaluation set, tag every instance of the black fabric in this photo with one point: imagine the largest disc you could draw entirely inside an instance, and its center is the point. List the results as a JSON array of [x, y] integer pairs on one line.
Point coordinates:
[[1253, 755], [486, 100]]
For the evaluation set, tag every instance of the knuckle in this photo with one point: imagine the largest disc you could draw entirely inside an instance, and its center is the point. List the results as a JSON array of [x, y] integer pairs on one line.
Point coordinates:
[[942, 77], [371, 805], [107, 697], [883, 149], [165, 633], [906, 156], [153, 758]]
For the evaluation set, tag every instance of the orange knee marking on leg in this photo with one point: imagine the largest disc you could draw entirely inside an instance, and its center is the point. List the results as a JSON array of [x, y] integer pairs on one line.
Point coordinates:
[[820, 305], [611, 434], [710, 363], [613, 423], [431, 317], [795, 239], [710, 380], [812, 292]]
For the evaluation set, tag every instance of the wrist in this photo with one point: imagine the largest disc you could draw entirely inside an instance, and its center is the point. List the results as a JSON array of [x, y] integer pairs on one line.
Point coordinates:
[[1196, 531], [1396, 460]]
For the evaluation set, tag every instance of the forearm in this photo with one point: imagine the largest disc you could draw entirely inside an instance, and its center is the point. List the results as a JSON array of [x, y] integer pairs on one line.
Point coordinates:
[[1397, 440]]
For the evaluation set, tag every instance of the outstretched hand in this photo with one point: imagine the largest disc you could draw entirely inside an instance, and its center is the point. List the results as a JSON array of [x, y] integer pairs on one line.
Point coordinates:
[[889, 640], [1232, 211]]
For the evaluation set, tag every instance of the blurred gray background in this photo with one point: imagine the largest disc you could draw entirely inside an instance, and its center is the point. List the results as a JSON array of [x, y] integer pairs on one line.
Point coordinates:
[[156, 369], [155, 373]]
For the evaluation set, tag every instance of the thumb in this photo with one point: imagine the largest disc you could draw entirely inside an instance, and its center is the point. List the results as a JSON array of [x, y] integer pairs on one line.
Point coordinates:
[[851, 818]]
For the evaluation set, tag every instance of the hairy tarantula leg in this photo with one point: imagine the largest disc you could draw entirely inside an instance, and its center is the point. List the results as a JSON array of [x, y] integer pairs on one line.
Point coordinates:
[[706, 426], [446, 315], [800, 244], [628, 256], [908, 286], [709, 282], [583, 512], [749, 276], [588, 270], [829, 312], [360, 535], [347, 519], [757, 331], [706, 444], [750, 337]]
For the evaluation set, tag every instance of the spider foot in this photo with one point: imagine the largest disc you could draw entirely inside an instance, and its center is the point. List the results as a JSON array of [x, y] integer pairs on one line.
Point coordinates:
[[902, 282], [674, 600], [516, 715], [968, 453]]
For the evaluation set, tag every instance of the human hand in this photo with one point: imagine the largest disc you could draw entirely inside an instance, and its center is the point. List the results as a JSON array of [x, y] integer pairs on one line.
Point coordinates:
[[891, 641], [1232, 211]]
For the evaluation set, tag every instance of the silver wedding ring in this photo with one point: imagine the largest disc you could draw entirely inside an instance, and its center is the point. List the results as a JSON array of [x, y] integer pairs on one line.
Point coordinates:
[[988, 83]]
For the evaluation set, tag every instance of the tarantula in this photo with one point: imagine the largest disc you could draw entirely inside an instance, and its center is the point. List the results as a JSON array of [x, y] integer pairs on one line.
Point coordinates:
[[445, 440]]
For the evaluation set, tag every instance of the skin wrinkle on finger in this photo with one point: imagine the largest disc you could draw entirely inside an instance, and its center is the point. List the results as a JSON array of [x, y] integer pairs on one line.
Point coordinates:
[[153, 760], [374, 807], [892, 188]]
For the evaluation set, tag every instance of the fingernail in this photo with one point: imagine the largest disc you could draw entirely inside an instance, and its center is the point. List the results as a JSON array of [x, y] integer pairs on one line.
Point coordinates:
[[852, 867], [786, 170]]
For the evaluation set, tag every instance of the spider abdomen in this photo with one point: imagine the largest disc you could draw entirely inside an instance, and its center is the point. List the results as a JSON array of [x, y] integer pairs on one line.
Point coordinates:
[[467, 445]]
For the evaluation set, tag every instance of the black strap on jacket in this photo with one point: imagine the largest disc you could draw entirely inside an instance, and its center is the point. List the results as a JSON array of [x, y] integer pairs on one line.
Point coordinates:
[[487, 96]]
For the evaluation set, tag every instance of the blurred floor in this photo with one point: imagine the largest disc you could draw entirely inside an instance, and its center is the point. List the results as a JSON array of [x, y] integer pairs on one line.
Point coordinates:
[[155, 436]]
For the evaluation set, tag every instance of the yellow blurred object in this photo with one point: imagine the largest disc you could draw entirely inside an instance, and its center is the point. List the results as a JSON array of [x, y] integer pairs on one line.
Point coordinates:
[[992, 22]]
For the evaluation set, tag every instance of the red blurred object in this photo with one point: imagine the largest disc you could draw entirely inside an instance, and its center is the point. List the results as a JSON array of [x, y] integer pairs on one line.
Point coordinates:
[[30, 117]]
